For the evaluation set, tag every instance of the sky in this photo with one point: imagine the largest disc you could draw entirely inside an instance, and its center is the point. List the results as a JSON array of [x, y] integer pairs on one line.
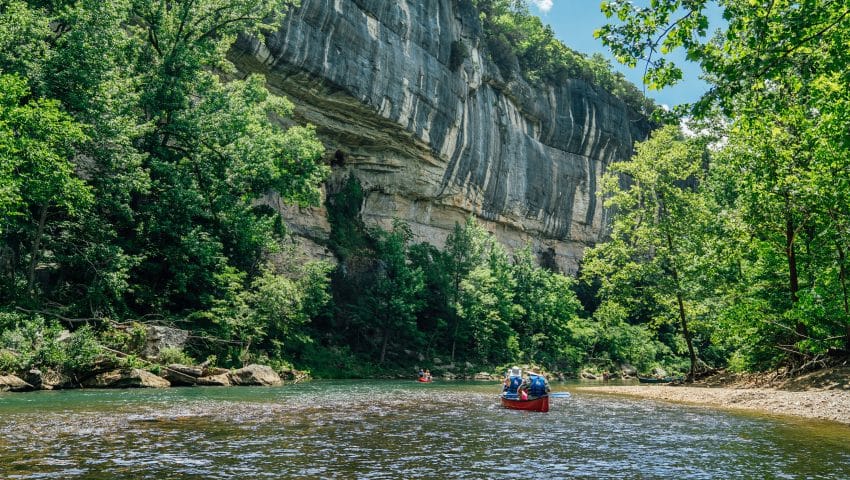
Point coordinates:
[[574, 22]]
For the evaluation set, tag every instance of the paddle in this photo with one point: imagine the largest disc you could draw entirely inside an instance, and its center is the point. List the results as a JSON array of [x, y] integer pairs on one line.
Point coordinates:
[[551, 395]]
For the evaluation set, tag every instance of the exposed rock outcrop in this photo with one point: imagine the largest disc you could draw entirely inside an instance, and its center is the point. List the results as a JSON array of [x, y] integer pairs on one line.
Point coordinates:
[[11, 383], [194, 371], [221, 380], [434, 139], [187, 375], [135, 378], [213, 371], [182, 375], [159, 338], [255, 375], [48, 379], [294, 376]]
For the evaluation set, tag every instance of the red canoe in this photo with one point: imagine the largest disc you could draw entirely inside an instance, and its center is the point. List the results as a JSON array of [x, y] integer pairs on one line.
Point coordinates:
[[537, 405], [423, 379]]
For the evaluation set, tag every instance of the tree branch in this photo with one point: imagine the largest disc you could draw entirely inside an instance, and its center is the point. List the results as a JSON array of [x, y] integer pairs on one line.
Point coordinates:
[[800, 43], [70, 321]]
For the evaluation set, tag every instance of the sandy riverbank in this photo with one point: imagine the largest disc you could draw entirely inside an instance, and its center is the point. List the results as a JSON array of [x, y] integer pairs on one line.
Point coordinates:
[[825, 396]]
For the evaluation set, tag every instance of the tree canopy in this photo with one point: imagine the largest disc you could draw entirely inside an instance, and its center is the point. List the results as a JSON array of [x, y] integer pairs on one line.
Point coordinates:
[[133, 173], [775, 174]]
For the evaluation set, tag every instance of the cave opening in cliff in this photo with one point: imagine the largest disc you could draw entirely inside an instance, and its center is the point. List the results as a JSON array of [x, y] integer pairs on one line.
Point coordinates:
[[339, 159]]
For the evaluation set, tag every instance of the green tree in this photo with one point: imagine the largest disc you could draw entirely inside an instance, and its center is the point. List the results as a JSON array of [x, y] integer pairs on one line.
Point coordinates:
[[546, 315], [390, 304], [25, 38], [758, 42], [657, 229], [38, 183], [463, 252], [438, 309], [486, 305], [160, 208], [210, 159], [269, 314], [788, 193], [775, 70]]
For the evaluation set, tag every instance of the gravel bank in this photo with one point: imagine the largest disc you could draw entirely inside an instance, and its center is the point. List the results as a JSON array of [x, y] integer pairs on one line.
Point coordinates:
[[832, 405]]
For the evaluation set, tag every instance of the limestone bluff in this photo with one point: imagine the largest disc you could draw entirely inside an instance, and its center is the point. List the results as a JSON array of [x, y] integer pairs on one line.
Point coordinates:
[[432, 142]]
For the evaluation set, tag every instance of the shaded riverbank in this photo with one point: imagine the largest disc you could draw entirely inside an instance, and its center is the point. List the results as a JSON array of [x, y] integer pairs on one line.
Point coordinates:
[[823, 395]]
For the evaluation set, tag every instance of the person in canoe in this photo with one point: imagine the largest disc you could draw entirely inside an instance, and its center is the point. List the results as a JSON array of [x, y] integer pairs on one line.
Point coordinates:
[[522, 391], [538, 386], [513, 380], [427, 375], [422, 374]]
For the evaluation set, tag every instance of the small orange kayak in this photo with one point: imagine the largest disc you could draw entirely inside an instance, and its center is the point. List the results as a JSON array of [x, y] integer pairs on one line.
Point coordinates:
[[537, 405]]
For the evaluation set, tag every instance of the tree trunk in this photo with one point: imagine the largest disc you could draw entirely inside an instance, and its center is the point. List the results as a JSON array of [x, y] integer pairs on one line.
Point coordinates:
[[454, 338], [384, 345], [842, 275], [457, 320], [793, 276], [793, 279], [36, 249], [683, 319], [686, 332]]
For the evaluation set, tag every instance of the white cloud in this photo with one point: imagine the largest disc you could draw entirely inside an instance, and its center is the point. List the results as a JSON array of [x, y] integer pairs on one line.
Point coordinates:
[[543, 5]]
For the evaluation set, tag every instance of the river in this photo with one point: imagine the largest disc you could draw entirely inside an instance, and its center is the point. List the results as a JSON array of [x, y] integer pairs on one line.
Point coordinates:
[[396, 429]]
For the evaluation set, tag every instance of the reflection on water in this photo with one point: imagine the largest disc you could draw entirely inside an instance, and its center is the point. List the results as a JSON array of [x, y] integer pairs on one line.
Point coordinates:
[[370, 430]]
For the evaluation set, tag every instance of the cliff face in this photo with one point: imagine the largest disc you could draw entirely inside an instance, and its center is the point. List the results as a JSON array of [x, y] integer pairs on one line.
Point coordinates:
[[433, 140]]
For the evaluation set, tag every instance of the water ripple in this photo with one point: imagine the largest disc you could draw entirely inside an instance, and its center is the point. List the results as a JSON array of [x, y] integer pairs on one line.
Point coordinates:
[[376, 430]]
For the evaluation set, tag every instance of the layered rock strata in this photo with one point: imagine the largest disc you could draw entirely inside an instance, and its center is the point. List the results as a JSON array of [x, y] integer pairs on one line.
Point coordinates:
[[405, 98]]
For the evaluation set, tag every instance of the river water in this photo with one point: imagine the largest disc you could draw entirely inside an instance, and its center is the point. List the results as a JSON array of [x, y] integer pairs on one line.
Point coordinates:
[[398, 430]]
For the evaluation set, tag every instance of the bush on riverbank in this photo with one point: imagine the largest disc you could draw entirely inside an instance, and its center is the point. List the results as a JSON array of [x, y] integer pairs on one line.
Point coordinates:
[[31, 342]]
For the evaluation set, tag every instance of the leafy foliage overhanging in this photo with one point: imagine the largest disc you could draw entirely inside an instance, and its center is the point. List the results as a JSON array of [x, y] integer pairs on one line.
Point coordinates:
[[765, 279]]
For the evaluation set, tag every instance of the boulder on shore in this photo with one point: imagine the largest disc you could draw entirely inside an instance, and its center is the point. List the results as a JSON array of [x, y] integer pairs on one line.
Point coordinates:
[[11, 383], [187, 369], [214, 371], [293, 375], [135, 378], [222, 380], [178, 378], [628, 370], [159, 338], [47, 380], [255, 375]]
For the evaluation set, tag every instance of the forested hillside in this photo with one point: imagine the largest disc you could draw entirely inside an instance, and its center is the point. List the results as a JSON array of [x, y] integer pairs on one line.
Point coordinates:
[[134, 164], [131, 173]]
